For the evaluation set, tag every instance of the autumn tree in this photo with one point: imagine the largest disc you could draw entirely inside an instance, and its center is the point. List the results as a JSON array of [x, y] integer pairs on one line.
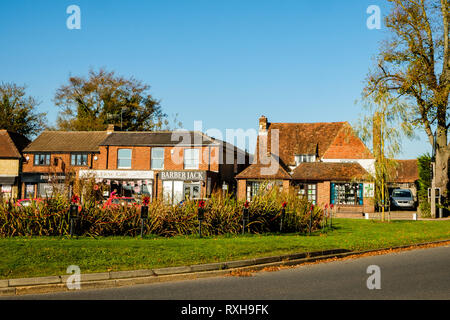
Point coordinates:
[[18, 111], [103, 98], [414, 67]]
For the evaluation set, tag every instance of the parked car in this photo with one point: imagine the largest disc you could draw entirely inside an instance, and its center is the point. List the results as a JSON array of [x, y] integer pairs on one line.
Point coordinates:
[[28, 202], [402, 199], [120, 201]]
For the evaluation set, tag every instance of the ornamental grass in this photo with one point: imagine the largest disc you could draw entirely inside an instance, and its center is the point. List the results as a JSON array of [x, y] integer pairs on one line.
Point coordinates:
[[223, 215]]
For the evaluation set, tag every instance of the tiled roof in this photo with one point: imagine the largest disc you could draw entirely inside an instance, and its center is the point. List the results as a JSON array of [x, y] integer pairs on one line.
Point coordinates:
[[330, 140], [406, 171], [270, 171], [12, 144], [165, 138], [303, 138], [67, 141], [330, 171]]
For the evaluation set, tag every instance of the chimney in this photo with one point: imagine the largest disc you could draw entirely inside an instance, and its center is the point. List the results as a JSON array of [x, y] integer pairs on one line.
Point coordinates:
[[110, 129], [263, 125]]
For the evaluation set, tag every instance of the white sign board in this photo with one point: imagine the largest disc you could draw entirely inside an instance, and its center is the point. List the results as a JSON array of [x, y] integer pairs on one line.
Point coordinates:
[[116, 174], [369, 190]]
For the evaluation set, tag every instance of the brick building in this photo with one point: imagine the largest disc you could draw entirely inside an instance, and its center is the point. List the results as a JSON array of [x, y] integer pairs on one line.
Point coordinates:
[[405, 175], [169, 165], [54, 156], [11, 146], [325, 162]]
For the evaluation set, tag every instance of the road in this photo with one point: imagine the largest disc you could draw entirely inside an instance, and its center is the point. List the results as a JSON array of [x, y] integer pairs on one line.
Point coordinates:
[[416, 274]]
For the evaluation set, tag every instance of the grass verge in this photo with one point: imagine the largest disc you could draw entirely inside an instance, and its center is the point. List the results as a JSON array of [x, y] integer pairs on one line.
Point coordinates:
[[44, 256]]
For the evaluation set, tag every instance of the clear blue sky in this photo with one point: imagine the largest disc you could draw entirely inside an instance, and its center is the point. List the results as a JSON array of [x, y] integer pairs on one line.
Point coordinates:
[[225, 62]]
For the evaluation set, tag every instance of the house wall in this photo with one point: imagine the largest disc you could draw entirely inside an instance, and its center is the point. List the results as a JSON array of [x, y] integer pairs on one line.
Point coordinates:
[[9, 167], [173, 158], [62, 164]]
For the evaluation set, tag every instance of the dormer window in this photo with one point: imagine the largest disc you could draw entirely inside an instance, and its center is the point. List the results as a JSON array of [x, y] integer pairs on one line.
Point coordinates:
[[304, 158]]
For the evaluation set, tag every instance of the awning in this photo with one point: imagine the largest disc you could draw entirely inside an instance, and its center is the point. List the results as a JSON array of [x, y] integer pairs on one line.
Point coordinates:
[[9, 180]]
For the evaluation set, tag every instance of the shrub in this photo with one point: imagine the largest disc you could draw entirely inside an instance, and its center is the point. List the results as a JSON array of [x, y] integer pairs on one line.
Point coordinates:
[[223, 215]]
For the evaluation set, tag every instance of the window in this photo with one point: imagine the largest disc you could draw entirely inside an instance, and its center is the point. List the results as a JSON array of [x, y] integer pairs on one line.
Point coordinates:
[[309, 191], [191, 158], [259, 187], [42, 159], [304, 158], [347, 193], [78, 160], [124, 159], [157, 159]]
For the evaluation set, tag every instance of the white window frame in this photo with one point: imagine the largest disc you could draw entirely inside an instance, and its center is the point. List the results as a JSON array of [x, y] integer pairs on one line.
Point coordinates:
[[118, 158], [197, 158], [153, 158]]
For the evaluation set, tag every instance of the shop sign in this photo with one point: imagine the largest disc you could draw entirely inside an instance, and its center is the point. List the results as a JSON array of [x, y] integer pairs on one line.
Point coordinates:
[[369, 190], [6, 189], [116, 174], [51, 177], [183, 175]]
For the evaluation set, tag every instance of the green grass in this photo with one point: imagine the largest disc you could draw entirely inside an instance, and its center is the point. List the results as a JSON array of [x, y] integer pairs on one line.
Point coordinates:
[[43, 256]]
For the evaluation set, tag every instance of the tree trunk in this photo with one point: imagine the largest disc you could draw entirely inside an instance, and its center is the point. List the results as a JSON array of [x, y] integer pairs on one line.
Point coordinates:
[[442, 162]]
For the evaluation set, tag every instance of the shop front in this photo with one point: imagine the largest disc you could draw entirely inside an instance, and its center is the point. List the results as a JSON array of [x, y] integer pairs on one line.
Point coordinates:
[[181, 185], [42, 185], [8, 187], [124, 183]]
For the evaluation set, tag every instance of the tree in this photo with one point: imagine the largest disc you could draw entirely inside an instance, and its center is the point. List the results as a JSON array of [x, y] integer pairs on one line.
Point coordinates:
[[385, 123], [414, 66], [423, 163], [89, 104], [18, 111]]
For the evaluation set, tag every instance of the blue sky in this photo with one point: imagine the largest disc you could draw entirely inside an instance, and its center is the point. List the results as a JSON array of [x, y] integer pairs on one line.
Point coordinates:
[[225, 62]]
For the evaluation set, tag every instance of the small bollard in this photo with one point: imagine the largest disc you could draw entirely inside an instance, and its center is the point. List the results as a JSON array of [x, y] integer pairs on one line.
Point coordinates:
[[310, 218], [245, 216], [144, 216], [73, 214], [201, 216], [283, 213], [144, 213], [331, 215]]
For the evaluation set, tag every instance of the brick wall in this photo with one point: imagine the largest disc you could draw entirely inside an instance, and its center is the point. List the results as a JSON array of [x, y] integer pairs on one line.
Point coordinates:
[[323, 193], [62, 164], [242, 189], [141, 158]]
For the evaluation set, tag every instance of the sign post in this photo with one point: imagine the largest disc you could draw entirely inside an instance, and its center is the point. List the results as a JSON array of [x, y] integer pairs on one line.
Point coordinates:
[[144, 214]]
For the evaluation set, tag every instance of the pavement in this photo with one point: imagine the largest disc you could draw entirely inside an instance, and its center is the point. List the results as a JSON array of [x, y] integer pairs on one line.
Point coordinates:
[[414, 274]]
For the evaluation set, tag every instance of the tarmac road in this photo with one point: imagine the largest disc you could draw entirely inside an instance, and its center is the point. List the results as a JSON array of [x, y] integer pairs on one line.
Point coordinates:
[[417, 274]]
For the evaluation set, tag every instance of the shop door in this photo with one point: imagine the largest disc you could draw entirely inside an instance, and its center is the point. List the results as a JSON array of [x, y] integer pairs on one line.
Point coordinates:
[[191, 191]]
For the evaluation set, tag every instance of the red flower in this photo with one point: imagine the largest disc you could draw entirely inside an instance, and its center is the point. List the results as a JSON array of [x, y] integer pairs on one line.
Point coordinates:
[[284, 204], [326, 206], [75, 199], [246, 204], [146, 200], [331, 206], [95, 187], [201, 204]]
